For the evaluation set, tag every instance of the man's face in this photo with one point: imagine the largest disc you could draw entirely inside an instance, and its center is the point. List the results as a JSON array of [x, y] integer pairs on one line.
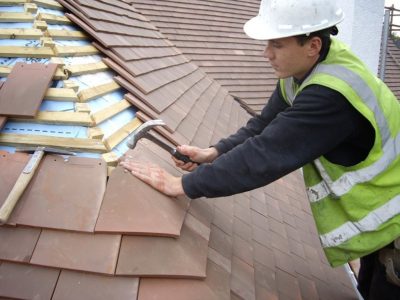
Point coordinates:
[[289, 58]]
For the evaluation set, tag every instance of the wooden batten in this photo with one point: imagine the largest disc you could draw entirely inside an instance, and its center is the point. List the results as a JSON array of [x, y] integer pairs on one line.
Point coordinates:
[[75, 50], [57, 60], [110, 158], [57, 34], [70, 84], [48, 4], [60, 118], [20, 33], [118, 136], [97, 91], [17, 51], [95, 133], [47, 42], [12, 2], [42, 25], [82, 107], [81, 69], [110, 111], [61, 94], [21, 17], [73, 144], [30, 8], [54, 19], [60, 74]]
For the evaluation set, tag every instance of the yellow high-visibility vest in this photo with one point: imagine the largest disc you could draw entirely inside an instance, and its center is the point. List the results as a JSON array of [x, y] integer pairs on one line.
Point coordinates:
[[356, 208]]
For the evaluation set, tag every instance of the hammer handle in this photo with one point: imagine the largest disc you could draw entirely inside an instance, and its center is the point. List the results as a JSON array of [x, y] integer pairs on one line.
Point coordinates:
[[19, 187], [173, 151], [182, 157]]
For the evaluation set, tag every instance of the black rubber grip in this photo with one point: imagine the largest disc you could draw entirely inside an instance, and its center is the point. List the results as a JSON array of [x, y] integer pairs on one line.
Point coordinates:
[[182, 157]]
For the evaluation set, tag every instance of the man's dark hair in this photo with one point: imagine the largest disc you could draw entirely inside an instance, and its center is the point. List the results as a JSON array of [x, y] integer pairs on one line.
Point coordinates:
[[324, 35]]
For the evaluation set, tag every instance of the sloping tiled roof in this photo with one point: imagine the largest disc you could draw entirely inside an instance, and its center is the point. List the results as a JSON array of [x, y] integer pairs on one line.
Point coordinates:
[[210, 33], [392, 71], [257, 245]]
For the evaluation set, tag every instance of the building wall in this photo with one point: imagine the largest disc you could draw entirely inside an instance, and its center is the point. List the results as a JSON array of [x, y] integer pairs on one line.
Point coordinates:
[[362, 29]]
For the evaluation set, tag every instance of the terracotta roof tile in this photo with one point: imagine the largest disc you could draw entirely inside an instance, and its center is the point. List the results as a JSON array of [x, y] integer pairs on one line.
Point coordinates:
[[223, 221], [221, 242], [27, 282], [132, 207], [242, 279], [243, 249], [77, 285], [161, 256], [17, 244], [214, 287], [77, 251], [263, 255], [266, 286], [61, 200], [288, 286], [24, 100]]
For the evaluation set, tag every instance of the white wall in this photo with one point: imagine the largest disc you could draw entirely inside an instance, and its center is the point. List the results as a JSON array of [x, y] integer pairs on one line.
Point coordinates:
[[362, 29]]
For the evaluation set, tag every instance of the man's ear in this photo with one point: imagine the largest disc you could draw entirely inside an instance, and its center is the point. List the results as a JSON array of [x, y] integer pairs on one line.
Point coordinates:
[[314, 46]]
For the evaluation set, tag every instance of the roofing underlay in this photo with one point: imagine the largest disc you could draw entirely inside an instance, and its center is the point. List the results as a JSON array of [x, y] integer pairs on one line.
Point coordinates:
[[85, 229]]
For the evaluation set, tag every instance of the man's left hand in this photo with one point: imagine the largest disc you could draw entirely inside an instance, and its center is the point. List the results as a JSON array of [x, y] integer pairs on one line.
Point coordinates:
[[156, 177]]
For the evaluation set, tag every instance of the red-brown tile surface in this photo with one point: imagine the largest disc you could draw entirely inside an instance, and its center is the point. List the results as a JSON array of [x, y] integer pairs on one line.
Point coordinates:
[[214, 287], [242, 279], [26, 282], [76, 285], [392, 76], [130, 206], [69, 199], [184, 257], [11, 166], [223, 51], [24, 89], [77, 251], [3, 121], [17, 244]]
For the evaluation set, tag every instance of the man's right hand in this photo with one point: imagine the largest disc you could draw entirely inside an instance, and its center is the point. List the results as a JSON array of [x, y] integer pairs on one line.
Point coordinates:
[[196, 154]]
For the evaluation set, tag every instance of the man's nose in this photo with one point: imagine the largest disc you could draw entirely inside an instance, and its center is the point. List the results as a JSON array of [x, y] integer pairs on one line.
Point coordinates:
[[268, 53]]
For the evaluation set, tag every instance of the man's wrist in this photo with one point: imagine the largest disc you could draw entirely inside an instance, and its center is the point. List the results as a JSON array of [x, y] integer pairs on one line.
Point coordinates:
[[212, 154], [177, 187]]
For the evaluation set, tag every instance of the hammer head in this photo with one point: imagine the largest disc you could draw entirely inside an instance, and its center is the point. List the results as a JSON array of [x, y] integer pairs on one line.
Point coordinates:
[[142, 130]]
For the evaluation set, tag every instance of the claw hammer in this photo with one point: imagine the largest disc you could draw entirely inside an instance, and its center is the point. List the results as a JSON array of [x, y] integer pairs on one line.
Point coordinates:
[[143, 132], [25, 177]]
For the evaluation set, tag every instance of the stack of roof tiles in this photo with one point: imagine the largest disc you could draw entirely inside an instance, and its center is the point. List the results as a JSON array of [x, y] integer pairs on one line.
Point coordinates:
[[76, 235]]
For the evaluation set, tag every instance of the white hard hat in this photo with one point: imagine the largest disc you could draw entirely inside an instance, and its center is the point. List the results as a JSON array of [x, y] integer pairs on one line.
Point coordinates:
[[283, 18]]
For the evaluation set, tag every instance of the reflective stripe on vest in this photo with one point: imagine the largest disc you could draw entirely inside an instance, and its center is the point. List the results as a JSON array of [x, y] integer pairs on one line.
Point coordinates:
[[391, 147], [369, 223]]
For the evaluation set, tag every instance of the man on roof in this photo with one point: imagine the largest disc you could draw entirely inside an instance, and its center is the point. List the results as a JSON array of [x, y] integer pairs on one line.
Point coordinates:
[[329, 115]]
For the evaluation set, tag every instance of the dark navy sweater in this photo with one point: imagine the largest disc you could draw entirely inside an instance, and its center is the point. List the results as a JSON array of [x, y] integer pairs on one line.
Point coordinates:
[[283, 138]]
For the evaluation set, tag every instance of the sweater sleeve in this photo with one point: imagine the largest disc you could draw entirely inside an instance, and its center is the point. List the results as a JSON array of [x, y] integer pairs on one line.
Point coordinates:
[[319, 120]]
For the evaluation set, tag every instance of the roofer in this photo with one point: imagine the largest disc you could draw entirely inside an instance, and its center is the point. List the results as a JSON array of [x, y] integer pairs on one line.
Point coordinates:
[[328, 114]]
